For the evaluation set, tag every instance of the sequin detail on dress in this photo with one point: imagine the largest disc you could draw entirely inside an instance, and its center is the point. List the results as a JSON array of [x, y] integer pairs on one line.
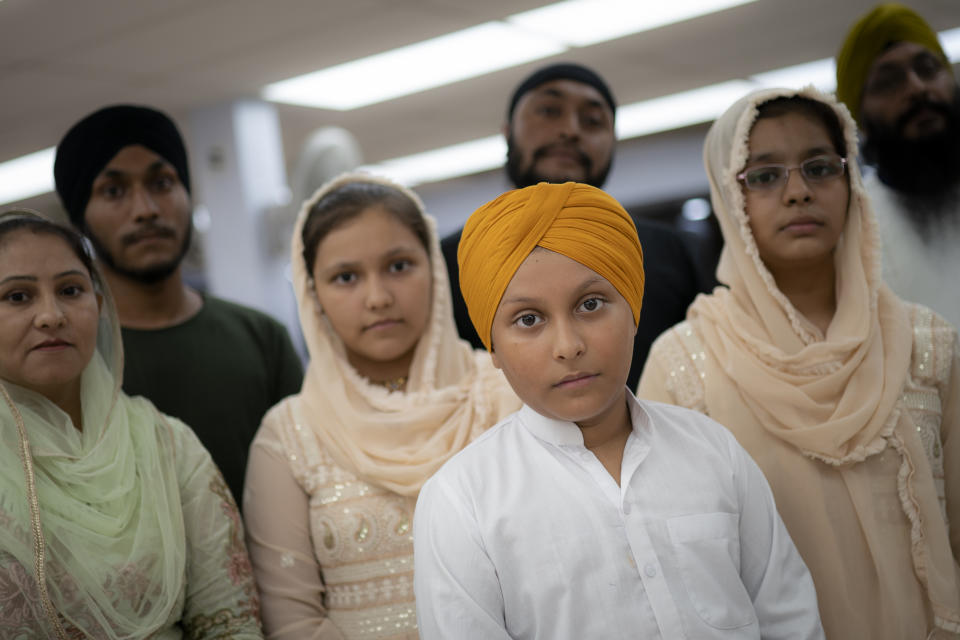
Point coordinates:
[[363, 541]]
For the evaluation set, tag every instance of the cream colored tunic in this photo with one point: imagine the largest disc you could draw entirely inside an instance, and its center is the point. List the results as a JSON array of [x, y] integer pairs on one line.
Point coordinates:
[[857, 551], [333, 555]]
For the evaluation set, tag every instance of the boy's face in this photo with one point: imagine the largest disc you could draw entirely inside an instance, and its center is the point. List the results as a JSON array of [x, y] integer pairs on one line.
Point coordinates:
[[563, 336]]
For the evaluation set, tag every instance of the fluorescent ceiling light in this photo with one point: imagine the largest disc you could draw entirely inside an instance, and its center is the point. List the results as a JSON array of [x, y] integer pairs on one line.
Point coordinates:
[[424, 65], [27, 176], [820, 73], [460, 159], [678, 110], [633, 120], [950, 41], [488, 47], [584, 22], [32, 175], [823, 73], [638, 119]]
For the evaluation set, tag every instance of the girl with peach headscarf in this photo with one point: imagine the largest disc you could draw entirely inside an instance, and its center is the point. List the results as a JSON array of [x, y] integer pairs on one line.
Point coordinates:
[[389, 395], [846, 396]]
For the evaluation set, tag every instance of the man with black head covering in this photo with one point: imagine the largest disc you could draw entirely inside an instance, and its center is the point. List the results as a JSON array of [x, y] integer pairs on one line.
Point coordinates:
[[123, 178], [896, 80], [560, 128]]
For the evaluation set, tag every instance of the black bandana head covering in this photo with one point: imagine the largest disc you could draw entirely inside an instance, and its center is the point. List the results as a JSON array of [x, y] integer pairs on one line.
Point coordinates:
[[91, 143], [562, 71]]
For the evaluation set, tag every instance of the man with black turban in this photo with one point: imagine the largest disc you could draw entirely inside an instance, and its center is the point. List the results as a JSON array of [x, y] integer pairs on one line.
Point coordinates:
[[123, 178], [895, 78], [560, 127]]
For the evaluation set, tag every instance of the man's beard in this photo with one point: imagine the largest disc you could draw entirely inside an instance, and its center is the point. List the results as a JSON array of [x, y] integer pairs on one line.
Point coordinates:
[[926, 171], [524, 178], [149, 275]]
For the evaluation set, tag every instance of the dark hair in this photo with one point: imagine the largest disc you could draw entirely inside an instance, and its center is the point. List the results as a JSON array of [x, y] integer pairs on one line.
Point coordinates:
[[350, 200], [810, 107], [22, 219]]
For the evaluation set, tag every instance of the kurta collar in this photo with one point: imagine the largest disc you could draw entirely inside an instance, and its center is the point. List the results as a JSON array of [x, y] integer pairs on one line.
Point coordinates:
[[561, 432]]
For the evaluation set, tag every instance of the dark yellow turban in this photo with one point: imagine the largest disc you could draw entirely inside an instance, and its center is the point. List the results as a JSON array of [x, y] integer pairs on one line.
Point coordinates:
[[576, 220], [874, 32]]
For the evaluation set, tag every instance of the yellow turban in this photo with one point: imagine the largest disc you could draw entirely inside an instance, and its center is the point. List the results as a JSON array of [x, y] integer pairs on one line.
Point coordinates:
[[578, 221], [874, 32]]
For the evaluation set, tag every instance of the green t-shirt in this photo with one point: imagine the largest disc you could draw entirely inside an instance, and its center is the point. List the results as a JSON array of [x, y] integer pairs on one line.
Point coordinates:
[[220, 371]]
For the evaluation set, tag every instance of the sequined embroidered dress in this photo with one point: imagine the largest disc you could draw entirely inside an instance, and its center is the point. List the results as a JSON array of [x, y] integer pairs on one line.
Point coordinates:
[[362, 536], [679, 372]]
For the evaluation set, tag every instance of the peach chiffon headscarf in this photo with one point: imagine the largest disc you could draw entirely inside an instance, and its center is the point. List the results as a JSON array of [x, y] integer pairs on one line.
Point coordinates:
[[395, 439], [833, 397]]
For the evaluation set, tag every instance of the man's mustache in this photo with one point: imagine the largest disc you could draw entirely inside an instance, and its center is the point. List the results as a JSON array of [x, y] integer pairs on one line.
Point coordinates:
[[923, 104], [148, 230], [582, 157]]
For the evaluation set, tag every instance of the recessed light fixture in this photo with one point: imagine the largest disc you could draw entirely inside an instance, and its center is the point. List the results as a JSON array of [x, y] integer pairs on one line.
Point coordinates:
[[432, 63], [482, 49], [950, 41], [461, 159], [642, 118], [27, 176], [679, 109], [580, 23], [820, 73], [32, 175]]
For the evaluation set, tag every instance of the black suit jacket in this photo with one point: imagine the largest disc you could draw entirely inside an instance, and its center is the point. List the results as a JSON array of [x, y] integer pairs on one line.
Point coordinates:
[[671, 285]]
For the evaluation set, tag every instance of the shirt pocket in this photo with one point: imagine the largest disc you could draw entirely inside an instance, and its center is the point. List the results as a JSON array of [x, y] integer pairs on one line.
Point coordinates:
[[707, 548]]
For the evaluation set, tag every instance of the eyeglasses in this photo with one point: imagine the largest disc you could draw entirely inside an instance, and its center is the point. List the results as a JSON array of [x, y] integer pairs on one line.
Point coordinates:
[[772, 176], [890, 78]]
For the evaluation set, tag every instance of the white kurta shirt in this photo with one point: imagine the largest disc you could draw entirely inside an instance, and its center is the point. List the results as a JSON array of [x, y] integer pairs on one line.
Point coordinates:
[[524, 534]]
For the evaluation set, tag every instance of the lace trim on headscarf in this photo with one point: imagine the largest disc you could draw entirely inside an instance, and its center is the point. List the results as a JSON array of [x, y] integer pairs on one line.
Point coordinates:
[[945, 617], [392, 439], [870, 245]]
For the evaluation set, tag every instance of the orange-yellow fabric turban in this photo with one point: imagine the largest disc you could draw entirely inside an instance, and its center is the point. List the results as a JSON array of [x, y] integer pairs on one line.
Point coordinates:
[[874, 32], [578, 221]]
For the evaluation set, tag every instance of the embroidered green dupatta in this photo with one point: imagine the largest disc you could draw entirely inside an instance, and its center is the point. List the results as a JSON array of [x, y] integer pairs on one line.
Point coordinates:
[[108, 558]]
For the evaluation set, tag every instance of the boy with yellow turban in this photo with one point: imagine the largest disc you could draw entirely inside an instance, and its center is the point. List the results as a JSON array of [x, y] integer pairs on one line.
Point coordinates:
[[588, 513]]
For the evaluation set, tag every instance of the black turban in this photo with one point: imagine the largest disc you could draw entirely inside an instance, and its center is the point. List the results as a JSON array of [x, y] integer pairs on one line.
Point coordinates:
[[91, 143], [562, 71]]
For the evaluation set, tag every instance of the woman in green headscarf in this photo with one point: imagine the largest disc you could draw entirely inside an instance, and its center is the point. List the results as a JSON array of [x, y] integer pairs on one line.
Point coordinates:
[[114, 521]]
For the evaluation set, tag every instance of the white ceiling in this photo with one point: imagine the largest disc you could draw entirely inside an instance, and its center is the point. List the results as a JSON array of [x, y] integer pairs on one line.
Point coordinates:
[[61, 59]]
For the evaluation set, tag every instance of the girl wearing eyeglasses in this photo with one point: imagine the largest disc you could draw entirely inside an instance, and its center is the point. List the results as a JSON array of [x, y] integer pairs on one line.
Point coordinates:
[[846, 396]]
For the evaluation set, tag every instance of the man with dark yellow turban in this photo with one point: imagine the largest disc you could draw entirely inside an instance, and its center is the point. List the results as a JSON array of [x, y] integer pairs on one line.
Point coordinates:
[[589, 513], [897, 81]]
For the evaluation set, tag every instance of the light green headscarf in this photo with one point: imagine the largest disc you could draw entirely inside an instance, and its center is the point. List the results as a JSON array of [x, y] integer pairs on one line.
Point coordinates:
[[109, 557]]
